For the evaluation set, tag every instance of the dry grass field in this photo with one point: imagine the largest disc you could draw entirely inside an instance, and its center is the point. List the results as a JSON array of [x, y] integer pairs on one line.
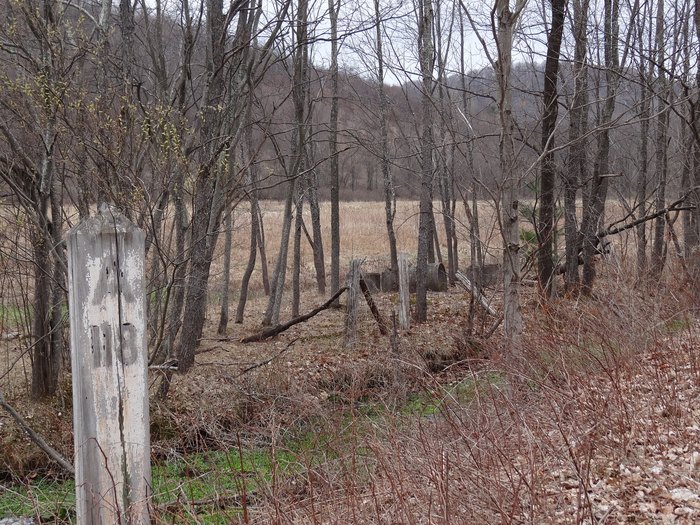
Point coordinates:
[[593, 420]]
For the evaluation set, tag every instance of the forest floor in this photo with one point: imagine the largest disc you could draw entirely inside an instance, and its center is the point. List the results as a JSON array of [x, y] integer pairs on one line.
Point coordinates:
[[595, 418]]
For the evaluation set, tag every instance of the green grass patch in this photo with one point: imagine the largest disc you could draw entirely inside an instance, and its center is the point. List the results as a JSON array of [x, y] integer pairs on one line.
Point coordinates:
[[48, 499], [677, 325], [202, 479], [12, 316], [426, 404]]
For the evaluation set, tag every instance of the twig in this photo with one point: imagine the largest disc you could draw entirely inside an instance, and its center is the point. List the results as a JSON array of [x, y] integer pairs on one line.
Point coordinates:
[[36, 438], [267, 361], [220, 501]]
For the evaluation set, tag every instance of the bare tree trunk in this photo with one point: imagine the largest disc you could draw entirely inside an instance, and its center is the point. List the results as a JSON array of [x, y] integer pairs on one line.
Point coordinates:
[[577, 173], [315, 212], [219, 133], [299, 96], [296, 264], [45, 363], [645, 77], [254, 234], [261, 246], [513, 320], [446, 180], [166, 350], [274, 303], [661, 153], [243, 295], [593, 210], [425, 225], [333, 8], [389, 196], [694, 236], [226, 277], [550, 97], [60, 266], [475, 249], [319, 256], [177, 287]]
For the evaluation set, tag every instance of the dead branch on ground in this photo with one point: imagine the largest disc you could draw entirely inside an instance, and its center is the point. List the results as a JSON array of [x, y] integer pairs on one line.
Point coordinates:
[[278, 329], [36, 438]]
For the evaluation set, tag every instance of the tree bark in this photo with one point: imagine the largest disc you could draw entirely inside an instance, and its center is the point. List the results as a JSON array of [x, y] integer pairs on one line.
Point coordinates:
[[510, 180], [658, 249], [425, 223], [254, 227], [226, 277], [299, 96], [296, 258], [315, 211], [645, 77], [577, 173], [389, 196], [219, 132], [546, 226], [274, 303], [595, 207], [333, 8]]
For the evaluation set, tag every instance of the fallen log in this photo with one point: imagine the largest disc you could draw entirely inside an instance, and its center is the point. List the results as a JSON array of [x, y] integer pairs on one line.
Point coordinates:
[[278, 329], [471, 288]]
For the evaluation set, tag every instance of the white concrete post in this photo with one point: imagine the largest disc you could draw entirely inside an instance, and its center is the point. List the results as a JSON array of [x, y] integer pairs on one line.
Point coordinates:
[[107, 305]]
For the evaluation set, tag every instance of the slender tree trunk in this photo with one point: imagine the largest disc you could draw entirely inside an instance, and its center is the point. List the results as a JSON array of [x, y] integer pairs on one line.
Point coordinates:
[[177, 288], [296, 264], [203, 238], [661, 139], [226, 277], [425, 226], [694, 236], [577, 173], [210, 185], [645, 77], [45, 363], [252, 184], [513, 320], [274, 304], [446, 180], [686, 185], [60, 266], [45, 233], [243, 296], [261, 246], [333, 8], [546, 227], [389, 197], [595, 207], [315, 212], [475, 250], [299, 96], [319, 256]]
